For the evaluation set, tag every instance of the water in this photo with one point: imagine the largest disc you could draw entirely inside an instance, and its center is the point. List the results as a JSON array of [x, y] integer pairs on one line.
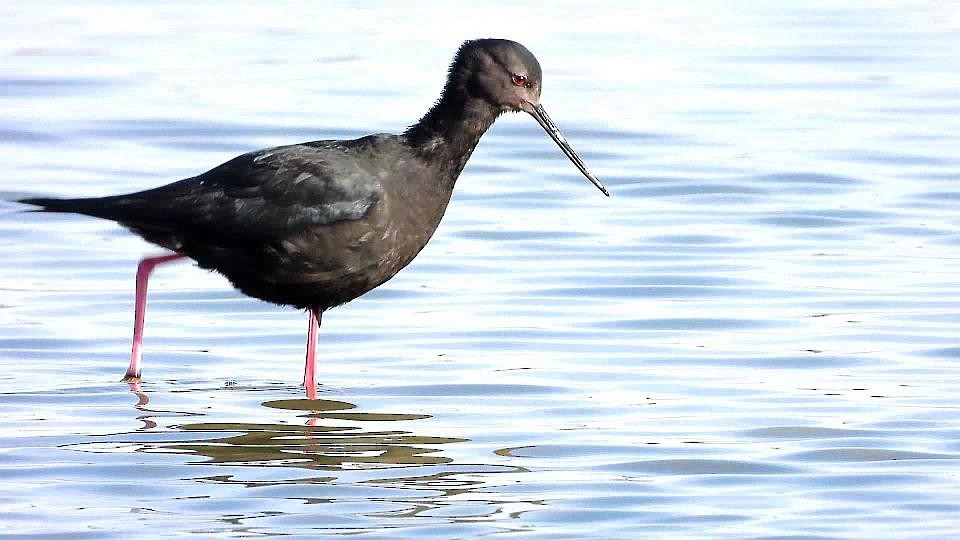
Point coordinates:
[[755, 337]]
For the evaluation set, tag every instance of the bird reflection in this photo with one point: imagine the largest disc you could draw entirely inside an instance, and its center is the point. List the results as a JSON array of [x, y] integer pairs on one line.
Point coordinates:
[[143, 399], [323, 442], [312, 447], [333, 444]]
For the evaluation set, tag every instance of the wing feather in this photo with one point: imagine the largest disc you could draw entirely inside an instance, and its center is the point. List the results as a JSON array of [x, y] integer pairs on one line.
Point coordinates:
[[260, 195]]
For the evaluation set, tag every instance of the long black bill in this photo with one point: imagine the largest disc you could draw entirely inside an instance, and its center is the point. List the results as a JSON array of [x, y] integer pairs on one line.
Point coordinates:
[[547, 124]]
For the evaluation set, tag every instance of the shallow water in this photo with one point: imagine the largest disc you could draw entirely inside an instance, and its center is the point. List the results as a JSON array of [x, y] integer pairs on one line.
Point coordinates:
[[756, 336]]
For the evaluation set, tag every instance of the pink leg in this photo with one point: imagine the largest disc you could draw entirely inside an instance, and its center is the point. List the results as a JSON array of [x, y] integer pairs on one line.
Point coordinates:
[[143, 274], [310, 366]]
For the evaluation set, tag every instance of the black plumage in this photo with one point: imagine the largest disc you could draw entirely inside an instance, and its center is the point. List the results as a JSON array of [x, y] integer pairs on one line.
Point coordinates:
[[317, 224]]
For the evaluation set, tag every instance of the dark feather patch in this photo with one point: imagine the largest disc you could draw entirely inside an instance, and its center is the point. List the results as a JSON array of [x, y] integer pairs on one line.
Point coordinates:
[[265, 194]]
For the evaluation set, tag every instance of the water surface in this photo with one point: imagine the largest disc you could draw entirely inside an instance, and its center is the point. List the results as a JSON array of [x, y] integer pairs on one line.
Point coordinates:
[[755, 337]]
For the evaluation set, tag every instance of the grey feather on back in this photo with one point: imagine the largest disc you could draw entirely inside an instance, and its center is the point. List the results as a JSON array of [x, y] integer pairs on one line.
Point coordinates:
[[283, 189]]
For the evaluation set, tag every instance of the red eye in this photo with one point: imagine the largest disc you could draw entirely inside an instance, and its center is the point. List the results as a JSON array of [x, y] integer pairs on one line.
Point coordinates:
[[520, 80]]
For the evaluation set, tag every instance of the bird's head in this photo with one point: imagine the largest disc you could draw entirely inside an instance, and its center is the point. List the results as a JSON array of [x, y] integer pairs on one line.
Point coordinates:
[[506, 75], [501, 72]]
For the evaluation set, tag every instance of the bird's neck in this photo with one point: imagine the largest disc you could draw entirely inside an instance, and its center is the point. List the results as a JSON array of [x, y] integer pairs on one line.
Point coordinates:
[[451, 129]]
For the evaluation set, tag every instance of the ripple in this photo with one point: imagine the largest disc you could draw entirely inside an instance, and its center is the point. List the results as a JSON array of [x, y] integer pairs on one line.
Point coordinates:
[[835, 455], [468, 390], [685, 324], [807, 432], [51, 88], [947, 353], [699, 467]]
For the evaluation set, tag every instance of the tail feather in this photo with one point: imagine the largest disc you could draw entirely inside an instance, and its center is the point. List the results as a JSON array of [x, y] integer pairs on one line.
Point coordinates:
[[50, 204], [95, 206], [115, 208]]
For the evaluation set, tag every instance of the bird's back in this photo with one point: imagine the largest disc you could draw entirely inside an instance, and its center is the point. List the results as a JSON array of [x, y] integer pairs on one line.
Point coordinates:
[[311, 225]]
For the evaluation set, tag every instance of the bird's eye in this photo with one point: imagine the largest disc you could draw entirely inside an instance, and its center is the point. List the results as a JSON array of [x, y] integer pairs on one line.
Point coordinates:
[[520, 80]]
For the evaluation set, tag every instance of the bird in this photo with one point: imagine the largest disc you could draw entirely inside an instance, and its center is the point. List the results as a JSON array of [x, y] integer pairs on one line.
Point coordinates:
[[317, 224]]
